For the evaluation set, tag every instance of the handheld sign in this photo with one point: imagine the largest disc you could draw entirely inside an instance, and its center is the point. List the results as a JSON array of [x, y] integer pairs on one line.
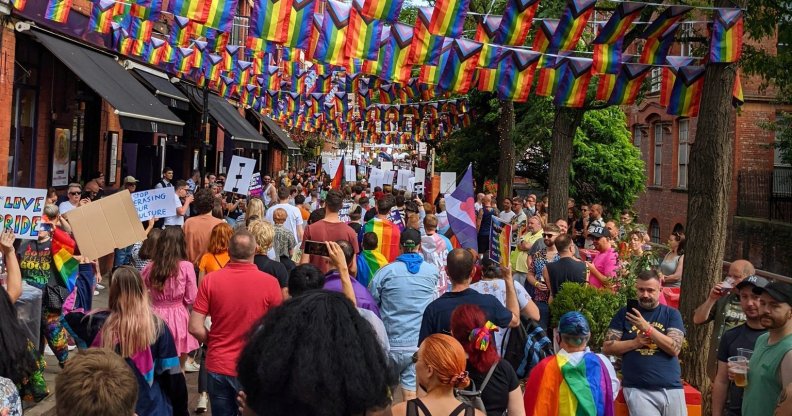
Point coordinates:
[[155, 203], [500, 241], [256, 185], [22, 210], [240, 173], [447, 182]]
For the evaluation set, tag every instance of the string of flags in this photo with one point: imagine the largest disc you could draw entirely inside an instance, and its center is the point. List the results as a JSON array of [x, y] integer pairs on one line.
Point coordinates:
[[352, 70]]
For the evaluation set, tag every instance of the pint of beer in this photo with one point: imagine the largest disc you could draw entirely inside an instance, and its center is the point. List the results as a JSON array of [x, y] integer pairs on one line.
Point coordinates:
[[738, 368]]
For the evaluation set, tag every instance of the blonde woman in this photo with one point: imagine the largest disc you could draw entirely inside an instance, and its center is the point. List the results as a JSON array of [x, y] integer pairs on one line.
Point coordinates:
[[131, 329], [264, 233]]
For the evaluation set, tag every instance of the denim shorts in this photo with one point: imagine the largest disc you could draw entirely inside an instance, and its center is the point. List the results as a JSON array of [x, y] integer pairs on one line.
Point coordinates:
[[401, 360]]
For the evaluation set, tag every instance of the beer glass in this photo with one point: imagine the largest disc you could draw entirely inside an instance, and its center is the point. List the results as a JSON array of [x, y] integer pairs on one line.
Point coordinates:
[[738, 368]]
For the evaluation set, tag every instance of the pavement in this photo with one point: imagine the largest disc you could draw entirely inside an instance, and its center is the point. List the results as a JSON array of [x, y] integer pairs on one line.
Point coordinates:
[[47, 406]]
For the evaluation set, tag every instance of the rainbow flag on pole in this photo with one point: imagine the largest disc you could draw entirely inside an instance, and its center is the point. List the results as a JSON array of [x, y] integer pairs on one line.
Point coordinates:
[[571, 25], [686, 94], [461, 213], [448, 18], [363, 34], [58, 10], [269, 21], [516, 22], [300, 27], [515, 73], [574, 83], [628, 83], [727, 36], [330, 48]]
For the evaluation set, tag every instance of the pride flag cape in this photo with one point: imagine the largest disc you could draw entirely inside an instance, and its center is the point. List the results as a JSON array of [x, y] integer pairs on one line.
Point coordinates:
[[63, 257], [388, 235], [368, 264], [686, 94], [619, 23], [669, 76], [558, 388], [727, 34], [516, 22]]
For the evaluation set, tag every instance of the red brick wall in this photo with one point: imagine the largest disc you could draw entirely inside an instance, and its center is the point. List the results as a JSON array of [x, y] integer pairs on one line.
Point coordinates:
[[7, 55]]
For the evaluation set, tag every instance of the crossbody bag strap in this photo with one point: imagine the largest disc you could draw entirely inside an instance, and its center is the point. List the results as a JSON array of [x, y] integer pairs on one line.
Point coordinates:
[[487, 378]]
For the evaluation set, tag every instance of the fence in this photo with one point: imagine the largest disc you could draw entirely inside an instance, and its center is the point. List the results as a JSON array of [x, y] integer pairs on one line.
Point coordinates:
[[765, 194]]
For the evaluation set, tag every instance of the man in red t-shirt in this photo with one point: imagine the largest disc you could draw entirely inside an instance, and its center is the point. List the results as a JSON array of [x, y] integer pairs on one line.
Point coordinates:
[[331, 228], [235, 297]]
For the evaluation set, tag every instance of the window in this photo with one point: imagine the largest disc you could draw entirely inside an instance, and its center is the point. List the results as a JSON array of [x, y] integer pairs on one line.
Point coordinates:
[[658, 155], [239, 31], [686, 35], [782, 172], [637, 135], [654, 231], [655, 80], [684, 152]]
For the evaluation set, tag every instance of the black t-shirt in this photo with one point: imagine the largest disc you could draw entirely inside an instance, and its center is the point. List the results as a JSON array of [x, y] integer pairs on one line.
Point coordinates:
[[437, 316], [565, 270], [496, 393], [355, 226], [371, 213], [742, 336], [277, 270]]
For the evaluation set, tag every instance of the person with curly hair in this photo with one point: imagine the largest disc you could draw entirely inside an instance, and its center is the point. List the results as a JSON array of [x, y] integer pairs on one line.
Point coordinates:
[[171, 282], [315, 339]]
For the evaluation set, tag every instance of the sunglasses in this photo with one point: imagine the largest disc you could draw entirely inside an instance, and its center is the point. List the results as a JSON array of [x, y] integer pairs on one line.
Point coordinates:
[[414, 357], [75, 193], [549, 235]]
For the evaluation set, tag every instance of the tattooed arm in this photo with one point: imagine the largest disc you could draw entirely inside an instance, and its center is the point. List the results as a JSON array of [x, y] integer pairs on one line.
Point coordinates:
[[613, 344]]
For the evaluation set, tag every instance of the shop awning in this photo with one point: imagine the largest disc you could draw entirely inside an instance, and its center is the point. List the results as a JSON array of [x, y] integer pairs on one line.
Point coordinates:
[[137, 109], [278, 134], [227, 116], [162, 88]]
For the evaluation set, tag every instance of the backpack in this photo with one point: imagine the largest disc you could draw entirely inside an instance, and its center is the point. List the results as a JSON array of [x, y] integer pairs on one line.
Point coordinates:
[[527, 345], [472, 397]]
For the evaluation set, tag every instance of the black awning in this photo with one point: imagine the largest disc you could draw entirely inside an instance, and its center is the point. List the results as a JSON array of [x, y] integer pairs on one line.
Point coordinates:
[[227, 116], [277, 133], [163, 89], [137, 109]]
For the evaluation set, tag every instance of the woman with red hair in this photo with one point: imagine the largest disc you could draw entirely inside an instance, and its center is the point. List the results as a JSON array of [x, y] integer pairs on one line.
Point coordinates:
[[502, 392], [440, 368]]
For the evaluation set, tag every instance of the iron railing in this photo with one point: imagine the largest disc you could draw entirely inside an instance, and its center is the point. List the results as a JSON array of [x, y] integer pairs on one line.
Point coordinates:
[[765, 194]]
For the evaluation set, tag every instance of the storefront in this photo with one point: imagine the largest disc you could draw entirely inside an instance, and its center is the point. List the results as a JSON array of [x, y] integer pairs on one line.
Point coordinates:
[[282, 155]]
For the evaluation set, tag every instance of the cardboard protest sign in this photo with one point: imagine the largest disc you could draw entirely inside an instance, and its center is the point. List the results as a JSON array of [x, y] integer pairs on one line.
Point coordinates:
[[22, 210], [418, 182], [331, 167], [343, 213], [500, 241], [447, 182], [256, 184], [386, 166], [402, 179], [376, 178], [106, 224], [388, 178], [155, 203], [240, 173], [350, 174]]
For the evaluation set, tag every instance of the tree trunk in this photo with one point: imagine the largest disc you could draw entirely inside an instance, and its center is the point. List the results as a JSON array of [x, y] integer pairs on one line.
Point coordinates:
[[507, 158], [709, 186], [565, 125]]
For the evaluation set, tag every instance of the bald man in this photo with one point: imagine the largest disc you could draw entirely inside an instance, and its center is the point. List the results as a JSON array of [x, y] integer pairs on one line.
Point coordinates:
[[723, 306]]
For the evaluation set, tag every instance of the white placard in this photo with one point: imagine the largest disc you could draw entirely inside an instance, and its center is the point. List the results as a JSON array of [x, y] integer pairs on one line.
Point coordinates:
[[350, 173], [331, 167], [240, 173], [155, 203], [422, 148], [420, 175], [388, 180], [22, 210], [447, 182], [376, 178], [386, 166], [402, 179]]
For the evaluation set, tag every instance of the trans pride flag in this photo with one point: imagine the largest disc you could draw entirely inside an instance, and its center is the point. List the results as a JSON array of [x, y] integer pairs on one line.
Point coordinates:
[[557, 387], [462, 213]]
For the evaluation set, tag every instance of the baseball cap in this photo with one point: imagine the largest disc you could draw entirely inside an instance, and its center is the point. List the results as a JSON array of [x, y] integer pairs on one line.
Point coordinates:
[[130, 179], [410, 238], [779, 291], [573, 323], [599, 232], [756, 281]]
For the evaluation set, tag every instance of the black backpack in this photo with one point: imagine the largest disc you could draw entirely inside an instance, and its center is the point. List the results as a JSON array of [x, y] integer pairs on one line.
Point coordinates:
[[527, 345], [472, 397]]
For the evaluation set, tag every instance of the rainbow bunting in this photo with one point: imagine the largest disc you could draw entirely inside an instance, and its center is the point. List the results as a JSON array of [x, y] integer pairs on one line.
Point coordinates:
[[248, 95], [628, 83], [300, 28], [557, 387], [227, 87], [619, 23], [664, 21], [605, 85], [120, 39], [363, 34], [242, 72], [686, 94], [542, 38], [486, 80], [669, 76], [656, 48], [140, 33], [195, 10], [448, 18], [182, 32], [323, 83], [549, 76], [487, 28], [572, 87], [607, 57], [63, 257], [425, 49], [269, 21], [737, 92], [298, 82], [313, 43], [19, 4], [221, 14], [102, 16], [571, 25], [387, 93], [154, 51], [396, 54], [727, 34], [460, 65], [516, 22], [168, 55], [330, 48], [230, 56], [374, 67], [515, 74], [388, 235], [198, 56], [385, 10], [184, 60], [212, 67], [58, 10]]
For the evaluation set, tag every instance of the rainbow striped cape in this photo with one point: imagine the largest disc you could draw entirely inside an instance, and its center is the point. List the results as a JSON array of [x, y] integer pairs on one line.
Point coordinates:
[[558, 388], [63, 257], [388, 235], [368, 264]]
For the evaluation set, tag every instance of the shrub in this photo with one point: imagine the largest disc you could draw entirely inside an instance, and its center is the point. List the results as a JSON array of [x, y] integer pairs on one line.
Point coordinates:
[[597, 305]]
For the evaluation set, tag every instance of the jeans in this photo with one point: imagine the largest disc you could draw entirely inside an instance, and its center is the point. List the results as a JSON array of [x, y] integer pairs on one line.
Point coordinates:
[[401, 360], [123, 256], [544, 315], [223, 392]]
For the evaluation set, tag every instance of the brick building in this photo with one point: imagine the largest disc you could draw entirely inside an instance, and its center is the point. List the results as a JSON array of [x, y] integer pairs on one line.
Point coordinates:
[[760, 211]]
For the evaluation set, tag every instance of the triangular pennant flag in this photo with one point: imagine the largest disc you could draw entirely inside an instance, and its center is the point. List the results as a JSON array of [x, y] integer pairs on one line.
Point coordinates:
[[686, 95], [572, 88], [727, 34], [628, 84], [516, 22]]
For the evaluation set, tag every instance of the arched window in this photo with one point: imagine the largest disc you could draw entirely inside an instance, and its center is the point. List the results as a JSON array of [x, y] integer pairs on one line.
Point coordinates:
[[654, 231]]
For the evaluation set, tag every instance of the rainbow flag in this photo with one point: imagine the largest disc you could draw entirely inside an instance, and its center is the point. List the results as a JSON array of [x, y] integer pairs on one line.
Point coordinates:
[[63, 257], [686, 94], [212, 67], [19, 4], [426, 47], [184, 60], [487, 28], [605, 85], [619, 23], [500, 240], [516, 22], [669, 76], [664, 21], [330, 48], [242, 72], [462, 60], [656, 48], [571, 25], [300, 28], [269, 20], [153, 52], [542, 38], [515, 74], [555, 387], [374, 67], [58, 10], [313, 43], [102, 16], [607, 57], [230, 56], [227, 87], [199, 46], [168, 55], [727, 34], [182, 32], [386, 10], [572, 87], [628, 83], [448, 18], [221, 14], [737, 92], [486, 80], [388, 235], [363, 34], [396, 54], [323, 83], [549, 77], [195, 10]]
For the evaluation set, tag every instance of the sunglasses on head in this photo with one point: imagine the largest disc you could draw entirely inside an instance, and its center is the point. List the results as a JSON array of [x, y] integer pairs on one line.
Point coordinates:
[[414, 357]]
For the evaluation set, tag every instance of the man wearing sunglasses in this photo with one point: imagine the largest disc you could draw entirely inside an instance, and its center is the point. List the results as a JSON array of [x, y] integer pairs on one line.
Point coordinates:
[[74, 194]]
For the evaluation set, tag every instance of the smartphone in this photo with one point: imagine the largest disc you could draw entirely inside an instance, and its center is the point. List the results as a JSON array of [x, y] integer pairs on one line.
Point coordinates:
[[86, 195], [317, 248], [633, 304]]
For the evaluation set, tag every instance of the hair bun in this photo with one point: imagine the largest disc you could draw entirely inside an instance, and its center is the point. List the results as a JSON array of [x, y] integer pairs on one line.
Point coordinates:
[[461, 380]]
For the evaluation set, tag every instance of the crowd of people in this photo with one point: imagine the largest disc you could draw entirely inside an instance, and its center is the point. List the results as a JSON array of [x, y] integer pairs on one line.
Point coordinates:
[[318, 301]]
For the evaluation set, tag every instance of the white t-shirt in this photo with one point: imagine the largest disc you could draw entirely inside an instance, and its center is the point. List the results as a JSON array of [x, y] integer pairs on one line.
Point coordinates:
[[506, 215], [175, 219], [65, 207], [497, 288], [293, 218]]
